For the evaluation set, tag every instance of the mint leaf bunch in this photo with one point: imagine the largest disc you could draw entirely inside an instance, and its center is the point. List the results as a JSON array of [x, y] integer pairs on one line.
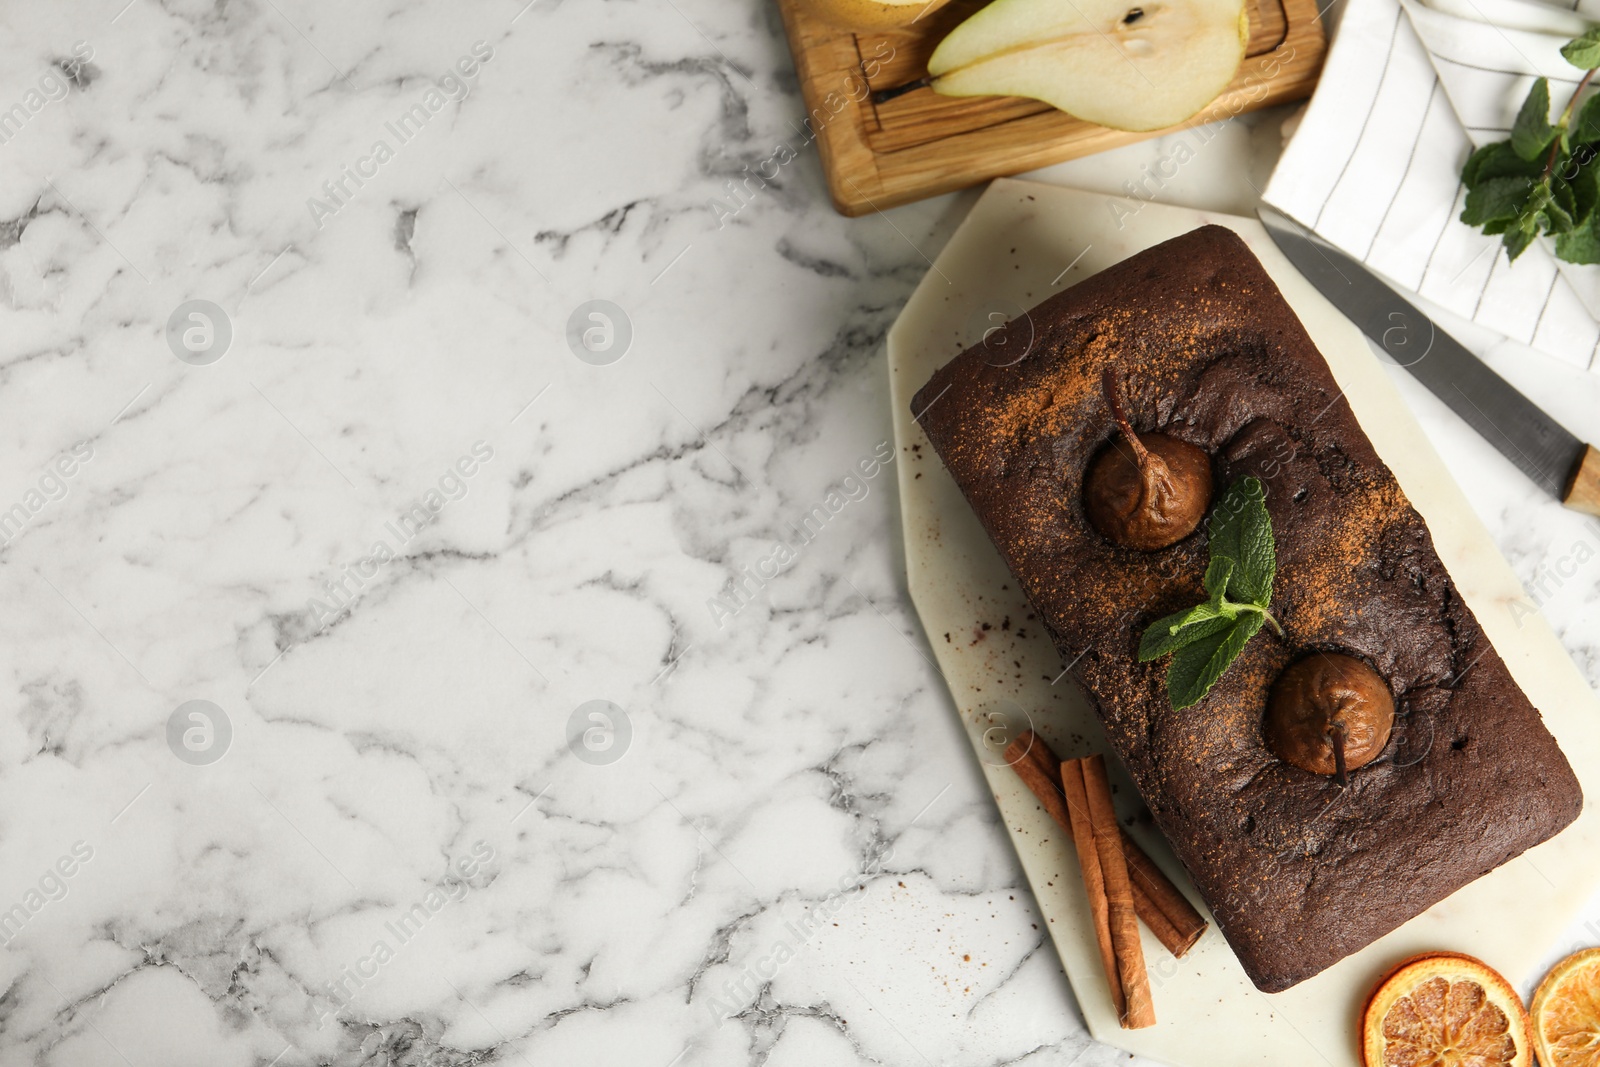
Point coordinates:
[[1543, 181], [1205, 640]]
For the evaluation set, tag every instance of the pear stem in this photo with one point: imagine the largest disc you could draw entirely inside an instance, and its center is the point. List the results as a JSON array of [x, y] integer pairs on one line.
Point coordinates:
[[1108, 384], [1341, 772]]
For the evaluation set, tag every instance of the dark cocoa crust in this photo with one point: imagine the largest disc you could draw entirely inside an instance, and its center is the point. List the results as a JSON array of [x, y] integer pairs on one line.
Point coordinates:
[[1298, 872]]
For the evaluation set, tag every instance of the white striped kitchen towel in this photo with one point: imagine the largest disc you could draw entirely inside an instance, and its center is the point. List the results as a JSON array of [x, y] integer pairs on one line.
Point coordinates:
[[1410, 87]]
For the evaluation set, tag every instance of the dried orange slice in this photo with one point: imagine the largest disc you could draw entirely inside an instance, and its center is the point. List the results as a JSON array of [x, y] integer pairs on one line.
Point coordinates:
[[1566, 1012], [1445, 1010]]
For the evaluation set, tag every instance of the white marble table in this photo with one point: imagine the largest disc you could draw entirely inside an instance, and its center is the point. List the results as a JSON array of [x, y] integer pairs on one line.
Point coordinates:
[[374, 509]]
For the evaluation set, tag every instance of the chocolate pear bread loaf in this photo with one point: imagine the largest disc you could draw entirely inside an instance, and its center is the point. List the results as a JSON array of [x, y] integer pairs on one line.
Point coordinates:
[[1299, 871]]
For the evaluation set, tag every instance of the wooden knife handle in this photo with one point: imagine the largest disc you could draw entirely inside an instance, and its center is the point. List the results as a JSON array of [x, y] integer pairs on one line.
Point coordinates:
[[1583, 490]]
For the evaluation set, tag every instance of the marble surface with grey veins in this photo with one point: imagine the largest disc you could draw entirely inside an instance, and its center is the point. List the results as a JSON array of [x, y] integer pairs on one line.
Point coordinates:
[[411, 661]]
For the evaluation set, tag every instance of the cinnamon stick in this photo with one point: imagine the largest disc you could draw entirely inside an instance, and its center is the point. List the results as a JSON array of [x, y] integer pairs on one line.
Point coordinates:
[[1124, 924], [1094, 881], [1043, 780], [1165, 910], [1162, 906]]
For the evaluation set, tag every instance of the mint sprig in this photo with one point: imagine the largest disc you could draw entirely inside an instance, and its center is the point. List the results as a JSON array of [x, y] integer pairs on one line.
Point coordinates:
[[1204, 640], [1543, 181]]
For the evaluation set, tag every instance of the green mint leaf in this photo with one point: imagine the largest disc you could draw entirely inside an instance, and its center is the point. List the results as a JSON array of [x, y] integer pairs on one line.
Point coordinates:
[[1581, 174], [1532, 133], [1469, 170], [1174, 632], [1517, 241], [1175, 624], [1497, 160], [1586, 126], [1582, 245], [1195, 668], [1218, 571], [1260, 554], [1241, 531], [1494, 199], [1575, 190], [1564, 197], [1584, 52], [1544, 212]]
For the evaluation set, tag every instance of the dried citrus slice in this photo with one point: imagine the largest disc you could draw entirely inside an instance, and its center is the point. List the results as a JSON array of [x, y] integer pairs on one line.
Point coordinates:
[[1566, 1012], [1445, 1010]]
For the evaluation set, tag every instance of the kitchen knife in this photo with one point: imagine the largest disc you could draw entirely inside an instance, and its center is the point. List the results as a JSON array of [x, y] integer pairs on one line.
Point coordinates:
[[1541, 447]]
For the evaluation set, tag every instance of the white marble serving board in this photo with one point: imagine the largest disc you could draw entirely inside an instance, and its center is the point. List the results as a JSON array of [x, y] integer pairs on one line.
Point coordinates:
[[1022, 242]]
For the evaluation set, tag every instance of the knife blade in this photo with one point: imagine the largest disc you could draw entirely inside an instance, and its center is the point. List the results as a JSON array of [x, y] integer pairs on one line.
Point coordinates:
[[1539, 446]]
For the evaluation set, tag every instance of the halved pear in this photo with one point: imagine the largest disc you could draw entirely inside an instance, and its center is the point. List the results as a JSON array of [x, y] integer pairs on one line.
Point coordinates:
[[1126, 64]]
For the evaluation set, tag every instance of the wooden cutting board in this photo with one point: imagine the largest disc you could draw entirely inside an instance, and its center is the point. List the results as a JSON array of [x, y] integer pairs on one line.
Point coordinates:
[[920, 144]]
